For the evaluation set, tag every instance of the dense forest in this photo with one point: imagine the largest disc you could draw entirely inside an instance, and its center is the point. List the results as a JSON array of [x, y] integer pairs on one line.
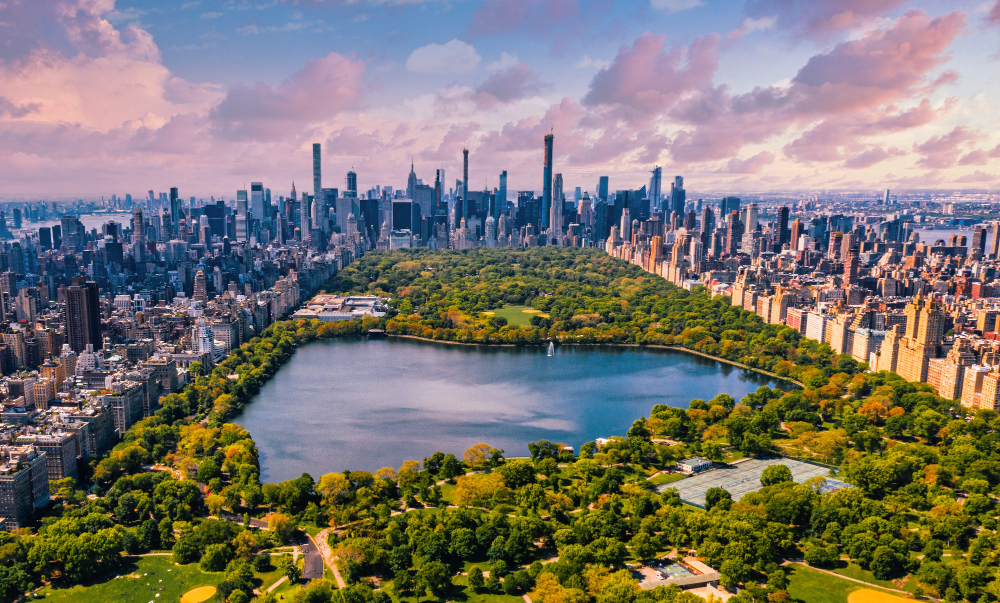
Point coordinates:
[[561, 526]]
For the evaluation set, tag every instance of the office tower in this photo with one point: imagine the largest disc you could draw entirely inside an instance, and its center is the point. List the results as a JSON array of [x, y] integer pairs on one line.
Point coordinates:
[[200, 293], [729, 205], [241, 215], [547, 182], [794, 235], [995, 246], [500, 203], [783, 233], [734, 232], [83, 315], [602, 189], [352, 183], [465, 184], [678, 196], [17, 217], [45, 237], [654, 190], [317, 172], [258, 213], [138, 235], [175, 207], [979, 240], [411, 183], [440, 207], [707, 224], [887, 196], [690, 220], [555, 219]]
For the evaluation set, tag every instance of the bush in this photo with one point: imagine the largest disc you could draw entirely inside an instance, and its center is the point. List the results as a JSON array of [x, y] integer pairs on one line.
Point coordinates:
[[262, 563], [216, 557]]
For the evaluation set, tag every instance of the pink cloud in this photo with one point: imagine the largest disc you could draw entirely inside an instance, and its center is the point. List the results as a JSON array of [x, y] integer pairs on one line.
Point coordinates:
[[978, 177], [821, 17], [320, 90], [871, 157], [980, 156], [516, 83], [647, 78], [943, 151], [750, 165], [994, 16]]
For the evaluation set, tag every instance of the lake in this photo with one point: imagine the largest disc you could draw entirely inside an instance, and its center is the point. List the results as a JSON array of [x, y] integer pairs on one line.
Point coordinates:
[[362, 405]]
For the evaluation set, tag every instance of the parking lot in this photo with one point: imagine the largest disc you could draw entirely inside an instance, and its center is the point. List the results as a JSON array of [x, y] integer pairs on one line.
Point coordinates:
[[740, 478]]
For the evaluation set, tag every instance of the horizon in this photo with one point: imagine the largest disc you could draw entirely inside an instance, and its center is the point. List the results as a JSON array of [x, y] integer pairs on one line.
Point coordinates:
[[761, 97]]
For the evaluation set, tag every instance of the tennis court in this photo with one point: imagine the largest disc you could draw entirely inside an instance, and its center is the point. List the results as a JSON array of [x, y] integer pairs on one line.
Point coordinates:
[[740, 478]]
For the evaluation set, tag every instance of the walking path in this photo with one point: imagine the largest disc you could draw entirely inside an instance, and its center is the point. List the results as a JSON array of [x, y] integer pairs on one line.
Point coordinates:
[[328, 558], [277, 583]]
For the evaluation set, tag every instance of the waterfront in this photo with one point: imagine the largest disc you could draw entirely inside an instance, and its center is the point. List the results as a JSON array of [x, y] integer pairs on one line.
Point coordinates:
[[367, 404]]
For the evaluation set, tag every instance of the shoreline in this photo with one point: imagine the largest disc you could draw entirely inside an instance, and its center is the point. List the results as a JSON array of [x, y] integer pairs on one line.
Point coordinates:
[[614, 345]]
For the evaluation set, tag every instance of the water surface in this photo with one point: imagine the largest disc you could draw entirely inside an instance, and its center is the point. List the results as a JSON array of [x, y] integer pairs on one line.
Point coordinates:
[[341, 404]]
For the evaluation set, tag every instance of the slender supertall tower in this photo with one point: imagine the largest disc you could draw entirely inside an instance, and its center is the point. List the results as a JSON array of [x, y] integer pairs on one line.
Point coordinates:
[[500, 203], [440, 207], [547, 182], [138, 234], [465, 184], [317, 173], [555, 218]]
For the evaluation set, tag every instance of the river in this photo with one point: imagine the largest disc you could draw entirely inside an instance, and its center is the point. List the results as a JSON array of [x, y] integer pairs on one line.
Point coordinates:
[[362, 405]]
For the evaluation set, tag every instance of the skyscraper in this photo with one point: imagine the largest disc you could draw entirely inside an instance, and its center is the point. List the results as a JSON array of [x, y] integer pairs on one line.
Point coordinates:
[[175, 207], [555, 219], [440, 207], [257, 206], [83, 315], [602, 189], [655, 187], [783, 234], [547, 182], [241, 215], [138, 235], [411, 183], [465, 185], [500, 203], [199, 288], [995, 247], [317, 170], [352, 183], [678, 196]]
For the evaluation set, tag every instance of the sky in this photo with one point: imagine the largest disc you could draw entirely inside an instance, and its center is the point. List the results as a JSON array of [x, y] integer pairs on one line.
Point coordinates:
[[101, 97]]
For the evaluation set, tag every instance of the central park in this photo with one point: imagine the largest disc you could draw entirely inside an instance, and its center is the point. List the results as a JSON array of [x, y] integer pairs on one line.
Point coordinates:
[[181, 503]]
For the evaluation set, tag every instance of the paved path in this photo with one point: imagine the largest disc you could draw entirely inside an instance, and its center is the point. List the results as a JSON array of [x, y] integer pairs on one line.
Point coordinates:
[[324, 549], [277, 583]]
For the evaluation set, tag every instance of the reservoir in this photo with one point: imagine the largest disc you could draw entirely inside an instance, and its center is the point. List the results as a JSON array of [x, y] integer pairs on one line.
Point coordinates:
[[362, 405]]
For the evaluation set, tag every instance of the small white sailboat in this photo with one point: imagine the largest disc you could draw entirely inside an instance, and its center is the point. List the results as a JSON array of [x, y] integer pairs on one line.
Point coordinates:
[[552, 349]]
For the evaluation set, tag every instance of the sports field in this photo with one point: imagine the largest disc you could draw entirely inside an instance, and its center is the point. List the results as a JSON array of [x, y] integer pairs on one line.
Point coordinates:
[[739, 479], [516, 315], [143, 579]]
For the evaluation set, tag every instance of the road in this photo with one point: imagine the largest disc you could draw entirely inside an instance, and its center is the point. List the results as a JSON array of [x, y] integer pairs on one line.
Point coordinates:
[[324, 549], [312, 567]]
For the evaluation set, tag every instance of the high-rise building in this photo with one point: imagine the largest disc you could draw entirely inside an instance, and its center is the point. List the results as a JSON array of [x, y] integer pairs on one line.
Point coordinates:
[[83, 315], [138, 235], [200, 293], [175, 207], [317, 169], [555, 219], [352, 183], [602, 189], [655, 186], [411, 183], [979, 240], [440, 206], [258, 209], [500, 203], [241, 215], [678, 196], [465, 185], [995, 245], [784, 236], [547, 182]]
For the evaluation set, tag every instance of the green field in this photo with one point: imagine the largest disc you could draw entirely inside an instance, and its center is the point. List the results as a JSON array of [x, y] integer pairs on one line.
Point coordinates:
[[155, 573], [459, 592], [810, 586], [666, 478], [515, 315]]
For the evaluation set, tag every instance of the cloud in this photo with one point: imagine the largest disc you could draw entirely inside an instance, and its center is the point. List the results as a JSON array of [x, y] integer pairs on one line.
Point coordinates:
[[750, 25], [821, 17], [994, 15], [188, 5], [871, 157], [647, 78], [509, 85], [977, 177], [320, 90], [943, 151], [455, 56], [499, 17], [9, 109], [980, 156], [675, 6], [751, 165], [588, 63], [505, 61], [211, 15]]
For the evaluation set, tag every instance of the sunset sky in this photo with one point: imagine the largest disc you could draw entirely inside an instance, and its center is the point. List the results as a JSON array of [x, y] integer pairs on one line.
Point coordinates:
[[102, 96]]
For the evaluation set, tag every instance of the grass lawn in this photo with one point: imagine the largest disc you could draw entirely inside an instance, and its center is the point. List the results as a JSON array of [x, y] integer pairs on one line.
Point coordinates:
[[448, 493], [458, 592], [665, 478], [807, 585], [852, 570], [515, 315], [154, 573]]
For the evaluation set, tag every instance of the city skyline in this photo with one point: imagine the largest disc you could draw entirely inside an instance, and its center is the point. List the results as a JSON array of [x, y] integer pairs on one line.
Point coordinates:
[[118, 97]]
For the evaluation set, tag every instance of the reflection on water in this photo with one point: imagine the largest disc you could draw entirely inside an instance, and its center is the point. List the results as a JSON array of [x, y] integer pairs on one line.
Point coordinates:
[[363, 405]]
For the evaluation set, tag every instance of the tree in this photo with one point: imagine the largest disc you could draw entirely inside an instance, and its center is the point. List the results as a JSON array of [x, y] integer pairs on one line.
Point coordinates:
[[290, 569], [433, 578], [517, 473], [476, 578], [281, 526], [643, 547], [718, 497], [478, 455], [775, 474], [216, 557]]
